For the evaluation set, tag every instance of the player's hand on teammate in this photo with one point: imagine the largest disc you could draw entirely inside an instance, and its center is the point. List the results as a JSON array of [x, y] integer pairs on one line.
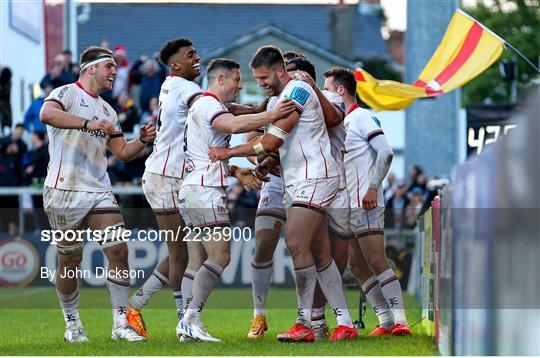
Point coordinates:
[[148, 133], [263, 169], [101, 124], [247, 179], [217, 153], [369, 201], [283, 109], [304, 76]]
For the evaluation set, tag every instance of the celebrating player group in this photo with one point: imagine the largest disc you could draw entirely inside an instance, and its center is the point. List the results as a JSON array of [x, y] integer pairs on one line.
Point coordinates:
[[319, 162]]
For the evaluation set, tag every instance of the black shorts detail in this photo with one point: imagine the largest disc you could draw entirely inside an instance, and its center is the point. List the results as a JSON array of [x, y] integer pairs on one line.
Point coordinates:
[[311, 207]]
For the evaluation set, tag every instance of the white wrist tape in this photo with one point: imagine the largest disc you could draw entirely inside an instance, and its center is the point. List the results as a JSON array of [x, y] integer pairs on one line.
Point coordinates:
[[259, 149], [277, 132]]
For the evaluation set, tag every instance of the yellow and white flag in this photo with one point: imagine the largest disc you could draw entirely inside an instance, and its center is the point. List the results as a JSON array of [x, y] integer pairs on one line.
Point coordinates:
[[467, 49]]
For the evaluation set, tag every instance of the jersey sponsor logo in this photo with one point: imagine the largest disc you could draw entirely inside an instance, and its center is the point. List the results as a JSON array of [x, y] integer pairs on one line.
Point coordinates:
[[83, 103], [299, 95], [221, 210], [377, 122], [94, 133], [165, 91], [106, 111]]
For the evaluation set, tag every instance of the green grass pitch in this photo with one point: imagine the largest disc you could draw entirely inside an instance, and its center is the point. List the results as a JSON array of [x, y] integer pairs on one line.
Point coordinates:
[[31, 324]]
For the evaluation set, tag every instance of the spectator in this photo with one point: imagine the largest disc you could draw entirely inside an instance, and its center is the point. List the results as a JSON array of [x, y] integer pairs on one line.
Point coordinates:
[[417, 179], [69, 65], [390, 188], [121, 83], [414, 208], [58, 75], [128, 114], [5, 98], [12, 150], [35, 162], [150, 75], [152, 114], [395, 208], [32, 123]]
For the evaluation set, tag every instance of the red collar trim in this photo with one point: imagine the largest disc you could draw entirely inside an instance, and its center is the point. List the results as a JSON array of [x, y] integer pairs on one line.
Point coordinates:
[[355, 106], [173, 75], [81, 87], [210, 94]]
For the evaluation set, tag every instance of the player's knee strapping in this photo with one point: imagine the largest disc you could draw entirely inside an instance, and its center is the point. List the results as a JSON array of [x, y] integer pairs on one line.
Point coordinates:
[[70, 250], [269, 221]]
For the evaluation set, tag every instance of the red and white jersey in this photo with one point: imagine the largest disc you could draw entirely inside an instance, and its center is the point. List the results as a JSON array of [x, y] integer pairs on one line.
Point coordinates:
[[336, 135], [175, 97], [78, 158], [306, 153], [199, 137], [360, 158]]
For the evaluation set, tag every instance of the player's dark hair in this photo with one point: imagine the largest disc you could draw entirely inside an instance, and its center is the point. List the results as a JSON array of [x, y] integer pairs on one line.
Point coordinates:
[[171, 47], [90, 53], [343, 77], [268, 56], [289, 55], [218, 65], [302, 64]]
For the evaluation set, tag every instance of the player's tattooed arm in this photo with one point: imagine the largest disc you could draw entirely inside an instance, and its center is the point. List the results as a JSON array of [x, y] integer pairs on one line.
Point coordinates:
[[54, 115], [332, 115], [381, 166], [126, 151]]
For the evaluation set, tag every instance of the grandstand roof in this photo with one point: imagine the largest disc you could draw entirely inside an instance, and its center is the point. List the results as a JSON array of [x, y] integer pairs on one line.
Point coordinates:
[[143, 28]]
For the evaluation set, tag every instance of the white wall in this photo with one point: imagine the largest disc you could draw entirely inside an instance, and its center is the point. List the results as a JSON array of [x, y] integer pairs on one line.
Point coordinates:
[[23, 55]]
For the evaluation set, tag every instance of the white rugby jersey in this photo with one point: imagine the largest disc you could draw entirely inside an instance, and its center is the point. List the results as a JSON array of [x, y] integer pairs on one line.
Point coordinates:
[[78, 158], [361, 127], [306, 153], [199, 136], [336, 135], [175, 97]]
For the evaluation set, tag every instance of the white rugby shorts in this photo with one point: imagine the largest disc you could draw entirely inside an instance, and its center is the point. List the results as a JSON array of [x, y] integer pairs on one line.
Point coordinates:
[[206, 206], [66, 209], [367, 222], [316, 194]]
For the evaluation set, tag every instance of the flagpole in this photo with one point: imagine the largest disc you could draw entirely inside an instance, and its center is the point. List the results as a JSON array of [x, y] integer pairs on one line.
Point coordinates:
[[506, 43]]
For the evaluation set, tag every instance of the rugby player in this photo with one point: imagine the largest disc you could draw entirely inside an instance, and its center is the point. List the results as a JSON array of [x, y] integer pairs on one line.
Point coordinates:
[[165, 171], [367, 159], [271, 213], [77, 192], [310, 187], [210, 124], [338, 214]]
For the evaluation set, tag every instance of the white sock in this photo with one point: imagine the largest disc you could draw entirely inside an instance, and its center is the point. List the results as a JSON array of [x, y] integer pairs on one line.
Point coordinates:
[[261, 279], [70, 307], [153, 284], [118, 293], [177, 296], [330, 282], [187, 287], [391, 290], [203, 284], [306, 279], [374, 295]]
